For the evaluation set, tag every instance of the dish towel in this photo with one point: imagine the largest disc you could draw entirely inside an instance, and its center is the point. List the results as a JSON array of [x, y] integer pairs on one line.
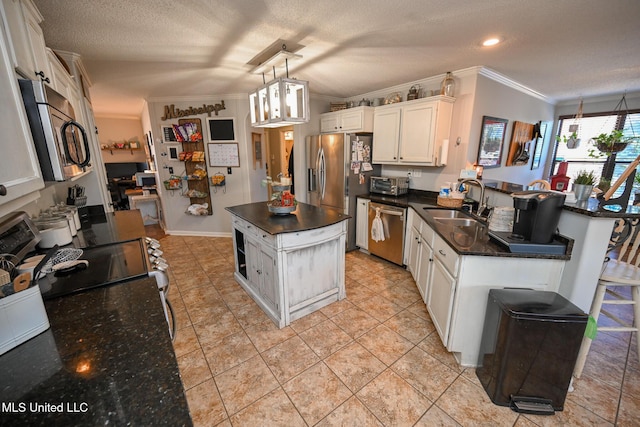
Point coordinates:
[[377, 229]]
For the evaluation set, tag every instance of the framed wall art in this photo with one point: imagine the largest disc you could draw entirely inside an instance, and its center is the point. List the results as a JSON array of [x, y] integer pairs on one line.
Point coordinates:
[[491, 140], [520, 145], [539, 132]]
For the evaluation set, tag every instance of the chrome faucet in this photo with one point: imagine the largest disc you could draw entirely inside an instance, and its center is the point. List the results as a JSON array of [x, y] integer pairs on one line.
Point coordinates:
[[481, 203]]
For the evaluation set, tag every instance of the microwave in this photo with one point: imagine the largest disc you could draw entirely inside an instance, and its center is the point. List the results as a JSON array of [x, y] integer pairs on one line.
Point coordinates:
[[393, 186], [61, 143]]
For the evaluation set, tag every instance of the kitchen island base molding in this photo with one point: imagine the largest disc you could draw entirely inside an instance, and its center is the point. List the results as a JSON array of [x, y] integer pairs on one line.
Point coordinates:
[[290, 275]]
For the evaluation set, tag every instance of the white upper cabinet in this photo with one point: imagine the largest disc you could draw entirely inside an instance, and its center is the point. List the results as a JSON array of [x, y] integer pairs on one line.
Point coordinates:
[[20, 172], [412, 132], [61, 81], [358, 119], [386, 134], [26, 40]]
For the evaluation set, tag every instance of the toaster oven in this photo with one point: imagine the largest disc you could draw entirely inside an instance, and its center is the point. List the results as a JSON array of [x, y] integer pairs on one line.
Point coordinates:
[[394, 186]]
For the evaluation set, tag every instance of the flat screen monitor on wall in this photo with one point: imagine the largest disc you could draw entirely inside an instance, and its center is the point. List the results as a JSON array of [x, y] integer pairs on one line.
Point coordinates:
[[221, 129]]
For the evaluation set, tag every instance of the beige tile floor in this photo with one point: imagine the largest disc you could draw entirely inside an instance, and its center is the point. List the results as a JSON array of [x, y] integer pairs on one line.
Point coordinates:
[[373, 359]]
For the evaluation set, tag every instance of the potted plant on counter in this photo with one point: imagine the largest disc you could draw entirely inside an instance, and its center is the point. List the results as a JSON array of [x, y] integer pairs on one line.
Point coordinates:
[[583, 184]]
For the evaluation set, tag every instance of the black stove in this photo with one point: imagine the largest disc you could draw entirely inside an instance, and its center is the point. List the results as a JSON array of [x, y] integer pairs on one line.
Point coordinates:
[[109, 264]]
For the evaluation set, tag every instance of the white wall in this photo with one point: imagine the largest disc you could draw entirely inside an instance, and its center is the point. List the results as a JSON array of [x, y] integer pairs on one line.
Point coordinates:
[[497, 100], [244, 184], [119, 129]]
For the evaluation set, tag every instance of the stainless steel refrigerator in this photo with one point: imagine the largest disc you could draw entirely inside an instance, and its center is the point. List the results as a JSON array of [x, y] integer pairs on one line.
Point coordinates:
[[338, 170]]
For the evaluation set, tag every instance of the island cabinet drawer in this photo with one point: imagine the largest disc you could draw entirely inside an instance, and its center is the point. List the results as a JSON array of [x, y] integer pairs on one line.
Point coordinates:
[[246, 227], [313, 236], [446, 255], [266, 238]]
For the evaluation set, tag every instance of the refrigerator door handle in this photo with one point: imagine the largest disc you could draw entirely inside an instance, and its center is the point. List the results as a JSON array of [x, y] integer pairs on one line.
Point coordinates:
[[322, 173], [311, 179]]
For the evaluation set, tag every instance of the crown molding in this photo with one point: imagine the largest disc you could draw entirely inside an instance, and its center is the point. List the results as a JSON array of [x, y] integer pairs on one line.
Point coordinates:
[[506, 81]]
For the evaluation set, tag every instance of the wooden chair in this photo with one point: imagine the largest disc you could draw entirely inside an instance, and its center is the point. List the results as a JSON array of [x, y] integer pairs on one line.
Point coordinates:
[[539, 184], [619, 284]]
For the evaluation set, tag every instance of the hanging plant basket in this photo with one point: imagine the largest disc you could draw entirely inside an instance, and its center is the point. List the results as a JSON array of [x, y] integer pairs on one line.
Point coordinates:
[[615, 147], [573, 143]]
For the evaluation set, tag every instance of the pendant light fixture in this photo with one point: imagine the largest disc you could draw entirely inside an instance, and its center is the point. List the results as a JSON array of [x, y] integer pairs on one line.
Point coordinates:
[[281, 102]]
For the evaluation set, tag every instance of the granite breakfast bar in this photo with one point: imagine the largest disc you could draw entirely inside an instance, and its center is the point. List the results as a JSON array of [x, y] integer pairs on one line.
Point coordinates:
[[291, 265]]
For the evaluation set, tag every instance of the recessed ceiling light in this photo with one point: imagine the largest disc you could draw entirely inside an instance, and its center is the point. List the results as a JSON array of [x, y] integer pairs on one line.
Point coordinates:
[[492, 41]]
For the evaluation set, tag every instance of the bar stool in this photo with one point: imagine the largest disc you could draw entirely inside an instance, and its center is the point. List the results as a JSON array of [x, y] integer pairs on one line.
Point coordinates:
[[540, 184], [623, 272]]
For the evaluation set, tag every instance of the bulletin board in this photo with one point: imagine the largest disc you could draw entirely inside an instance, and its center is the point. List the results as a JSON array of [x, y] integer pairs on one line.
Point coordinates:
[[223, 155]]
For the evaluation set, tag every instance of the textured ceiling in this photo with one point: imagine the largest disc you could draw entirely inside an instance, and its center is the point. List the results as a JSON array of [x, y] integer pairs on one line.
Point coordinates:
[[135, 49]]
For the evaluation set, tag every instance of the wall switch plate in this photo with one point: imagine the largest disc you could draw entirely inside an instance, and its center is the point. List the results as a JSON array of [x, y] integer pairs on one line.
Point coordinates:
[[417, 173]]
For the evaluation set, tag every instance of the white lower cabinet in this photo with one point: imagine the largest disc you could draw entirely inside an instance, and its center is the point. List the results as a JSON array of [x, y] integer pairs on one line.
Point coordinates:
[[362, 223], [261, 277], [413, 257], [425, 262], [440, 298], [456, 287], [269, 278]]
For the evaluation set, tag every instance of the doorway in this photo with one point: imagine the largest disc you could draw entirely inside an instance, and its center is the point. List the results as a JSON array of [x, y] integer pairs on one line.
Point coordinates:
[[280, 154]]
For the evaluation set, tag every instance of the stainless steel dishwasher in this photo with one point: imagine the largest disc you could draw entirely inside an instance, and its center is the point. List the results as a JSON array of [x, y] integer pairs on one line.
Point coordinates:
[[393, 220]]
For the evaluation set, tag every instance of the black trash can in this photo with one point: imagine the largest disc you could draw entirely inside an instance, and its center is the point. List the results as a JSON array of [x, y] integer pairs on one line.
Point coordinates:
[[529, 347]]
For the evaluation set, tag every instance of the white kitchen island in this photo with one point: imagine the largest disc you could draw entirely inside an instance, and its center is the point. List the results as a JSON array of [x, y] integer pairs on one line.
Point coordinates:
[[291, 265]]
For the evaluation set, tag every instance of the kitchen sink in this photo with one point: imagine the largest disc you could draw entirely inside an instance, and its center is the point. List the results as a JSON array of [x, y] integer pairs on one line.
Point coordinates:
[[447, 213], [453, 217], [459, 222]]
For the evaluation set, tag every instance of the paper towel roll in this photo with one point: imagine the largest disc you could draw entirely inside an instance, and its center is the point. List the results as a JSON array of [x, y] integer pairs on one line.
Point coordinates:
[[444, 152]]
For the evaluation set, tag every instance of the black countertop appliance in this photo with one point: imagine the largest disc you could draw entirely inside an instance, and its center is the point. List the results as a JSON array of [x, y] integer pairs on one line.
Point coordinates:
[[529, 347], [537, 215]]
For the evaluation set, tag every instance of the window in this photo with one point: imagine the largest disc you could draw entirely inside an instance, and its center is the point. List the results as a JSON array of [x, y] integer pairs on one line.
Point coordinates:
[[592, 125]]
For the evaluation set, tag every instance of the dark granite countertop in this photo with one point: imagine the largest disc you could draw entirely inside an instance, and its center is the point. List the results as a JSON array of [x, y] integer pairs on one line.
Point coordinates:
[[413, 196], [476, 241], [464, 240], [117, 226], [305, 217], [590, 208], [107, 358]]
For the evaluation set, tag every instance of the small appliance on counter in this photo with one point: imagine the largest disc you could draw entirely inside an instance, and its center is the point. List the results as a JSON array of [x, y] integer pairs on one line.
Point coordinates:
[[22, 312], [537, 214], [392, 186]]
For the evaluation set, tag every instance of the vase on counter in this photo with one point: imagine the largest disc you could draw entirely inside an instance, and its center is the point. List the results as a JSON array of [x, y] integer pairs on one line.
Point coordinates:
[[448, 85], [582, 191]]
